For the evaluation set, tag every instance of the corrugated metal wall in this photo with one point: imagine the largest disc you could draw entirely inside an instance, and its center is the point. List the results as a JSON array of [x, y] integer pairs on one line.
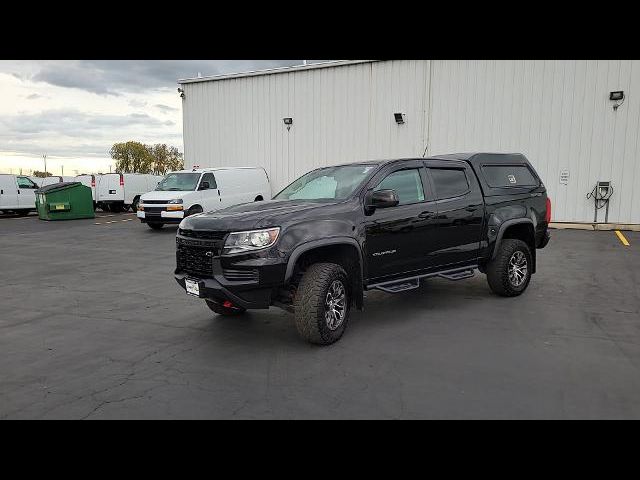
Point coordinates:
[[339, 115], [556, 112]]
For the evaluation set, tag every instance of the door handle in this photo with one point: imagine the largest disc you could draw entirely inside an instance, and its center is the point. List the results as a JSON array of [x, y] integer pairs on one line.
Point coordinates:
[[426, 215], [471, 208]]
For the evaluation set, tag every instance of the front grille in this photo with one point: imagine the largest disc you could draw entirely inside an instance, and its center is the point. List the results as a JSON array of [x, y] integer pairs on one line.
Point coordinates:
[[154, 210], [203, 234], [151, 202], [241, 275], [197, 260]]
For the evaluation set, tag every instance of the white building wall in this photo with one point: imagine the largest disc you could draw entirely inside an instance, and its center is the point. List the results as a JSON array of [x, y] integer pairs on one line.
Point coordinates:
[[555, 112], [340, 114], [558, 114]]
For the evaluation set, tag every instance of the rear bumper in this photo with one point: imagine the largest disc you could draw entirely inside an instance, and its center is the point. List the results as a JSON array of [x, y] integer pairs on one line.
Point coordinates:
[[545, 239]]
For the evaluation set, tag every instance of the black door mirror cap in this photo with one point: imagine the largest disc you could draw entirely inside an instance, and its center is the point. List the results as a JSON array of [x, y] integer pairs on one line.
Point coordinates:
[[382, 199]]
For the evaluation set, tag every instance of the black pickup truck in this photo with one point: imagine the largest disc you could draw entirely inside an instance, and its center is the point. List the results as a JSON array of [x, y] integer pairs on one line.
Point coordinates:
[[340, 230]]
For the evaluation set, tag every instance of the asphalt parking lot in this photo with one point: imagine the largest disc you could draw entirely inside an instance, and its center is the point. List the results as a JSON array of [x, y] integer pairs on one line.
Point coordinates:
[[93, 325]]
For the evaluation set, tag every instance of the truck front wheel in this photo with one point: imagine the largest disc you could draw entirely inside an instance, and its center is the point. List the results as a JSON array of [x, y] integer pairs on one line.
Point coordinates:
[[321, 304], [509, 272]]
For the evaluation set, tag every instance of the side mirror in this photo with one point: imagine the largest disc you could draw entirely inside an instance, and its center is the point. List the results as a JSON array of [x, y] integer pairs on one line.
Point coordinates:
[[204, 186], [382, 199]]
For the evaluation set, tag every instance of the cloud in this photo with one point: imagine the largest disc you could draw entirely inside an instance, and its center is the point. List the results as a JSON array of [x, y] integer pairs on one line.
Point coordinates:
[[34, 96], [69, 132], [114, 77], [165, 108]]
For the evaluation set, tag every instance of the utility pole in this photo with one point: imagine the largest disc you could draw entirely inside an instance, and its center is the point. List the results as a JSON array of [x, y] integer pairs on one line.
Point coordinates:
[[45, 164], [62, 167]]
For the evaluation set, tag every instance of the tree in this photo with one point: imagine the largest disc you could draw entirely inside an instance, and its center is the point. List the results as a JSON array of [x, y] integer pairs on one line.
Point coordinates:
[[131, 157], [165, 159], [39, 174], [137, 157]]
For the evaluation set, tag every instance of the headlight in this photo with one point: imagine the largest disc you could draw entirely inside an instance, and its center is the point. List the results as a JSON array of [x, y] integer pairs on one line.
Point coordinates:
[[177, 200], [248, 241]]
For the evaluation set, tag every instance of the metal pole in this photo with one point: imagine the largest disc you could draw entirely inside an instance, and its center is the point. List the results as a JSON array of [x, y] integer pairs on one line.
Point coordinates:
[[45, 164]]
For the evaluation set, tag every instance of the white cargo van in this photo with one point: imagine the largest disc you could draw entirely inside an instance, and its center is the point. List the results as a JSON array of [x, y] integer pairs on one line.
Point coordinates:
[[17, 194], [187, 192], [88, 180], [116, 192]]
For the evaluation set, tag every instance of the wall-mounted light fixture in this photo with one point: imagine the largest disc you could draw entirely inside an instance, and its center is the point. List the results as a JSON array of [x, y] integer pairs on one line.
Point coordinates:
[[288, 121], [617, 96], [400, 118], [181, 92]]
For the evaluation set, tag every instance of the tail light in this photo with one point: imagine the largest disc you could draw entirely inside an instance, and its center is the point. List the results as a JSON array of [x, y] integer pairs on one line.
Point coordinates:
[[121, 180], [547, 215]]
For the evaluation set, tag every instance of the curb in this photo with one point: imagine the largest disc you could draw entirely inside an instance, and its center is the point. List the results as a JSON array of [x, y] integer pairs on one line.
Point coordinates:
[[594, 226]]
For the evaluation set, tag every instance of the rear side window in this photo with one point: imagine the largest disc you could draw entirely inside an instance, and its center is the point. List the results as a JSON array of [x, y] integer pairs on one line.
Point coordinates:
[[406, 183], [498, 176], [449, 182]]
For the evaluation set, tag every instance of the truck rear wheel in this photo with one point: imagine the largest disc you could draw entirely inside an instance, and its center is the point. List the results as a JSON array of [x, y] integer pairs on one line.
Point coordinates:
[[220, 309], [509, 272], [321, 304]]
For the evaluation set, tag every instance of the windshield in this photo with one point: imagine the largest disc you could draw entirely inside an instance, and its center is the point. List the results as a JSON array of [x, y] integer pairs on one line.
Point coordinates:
[[178, 182], [336, 183]]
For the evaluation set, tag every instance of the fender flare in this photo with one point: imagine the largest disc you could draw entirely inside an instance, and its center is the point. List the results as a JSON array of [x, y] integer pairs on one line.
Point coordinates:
[[503, 227], [305, 247]]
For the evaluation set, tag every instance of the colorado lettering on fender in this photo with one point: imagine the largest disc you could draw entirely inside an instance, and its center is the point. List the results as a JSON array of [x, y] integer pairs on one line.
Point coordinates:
[[387, 252]]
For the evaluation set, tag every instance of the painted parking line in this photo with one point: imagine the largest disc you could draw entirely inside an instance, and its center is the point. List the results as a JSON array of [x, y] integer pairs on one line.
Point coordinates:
[[114, 221], [622, 238]]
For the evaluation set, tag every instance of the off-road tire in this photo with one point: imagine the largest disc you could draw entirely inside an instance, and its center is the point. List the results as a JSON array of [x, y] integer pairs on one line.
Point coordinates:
[[309, 303], [222, 310], [155, 226], [498, 268]]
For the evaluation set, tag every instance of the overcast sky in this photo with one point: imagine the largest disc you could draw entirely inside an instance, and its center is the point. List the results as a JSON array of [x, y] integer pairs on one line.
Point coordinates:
[[74, 110]]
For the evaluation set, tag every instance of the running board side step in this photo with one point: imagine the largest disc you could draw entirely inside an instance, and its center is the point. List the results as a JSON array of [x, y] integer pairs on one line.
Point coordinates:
[[410, 283]]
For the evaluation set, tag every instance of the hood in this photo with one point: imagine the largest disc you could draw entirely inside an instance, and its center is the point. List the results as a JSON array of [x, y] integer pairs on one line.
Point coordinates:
[[164, 195], [246, 216]]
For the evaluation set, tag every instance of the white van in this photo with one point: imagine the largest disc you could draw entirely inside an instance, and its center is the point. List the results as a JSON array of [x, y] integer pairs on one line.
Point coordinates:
[[187, 192], [116, 192], [17, 194], [88, 180]]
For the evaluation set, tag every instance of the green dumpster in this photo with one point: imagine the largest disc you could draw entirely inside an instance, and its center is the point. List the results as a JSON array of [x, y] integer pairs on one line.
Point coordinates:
[[64, 201]]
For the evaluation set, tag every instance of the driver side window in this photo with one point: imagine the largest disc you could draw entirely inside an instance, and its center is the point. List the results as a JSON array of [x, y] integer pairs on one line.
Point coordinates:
[[209, 178], [406, 183]]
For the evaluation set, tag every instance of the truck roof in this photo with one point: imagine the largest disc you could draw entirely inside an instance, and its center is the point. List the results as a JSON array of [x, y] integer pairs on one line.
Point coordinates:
[[480, 158], [213, 169]]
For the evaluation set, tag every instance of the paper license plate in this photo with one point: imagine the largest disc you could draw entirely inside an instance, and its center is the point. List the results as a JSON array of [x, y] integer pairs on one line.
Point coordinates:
[[192, 287]]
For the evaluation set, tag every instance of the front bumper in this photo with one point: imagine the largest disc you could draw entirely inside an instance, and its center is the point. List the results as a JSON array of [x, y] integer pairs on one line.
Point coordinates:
[[160, 217], [245, 296], [250, 280]]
